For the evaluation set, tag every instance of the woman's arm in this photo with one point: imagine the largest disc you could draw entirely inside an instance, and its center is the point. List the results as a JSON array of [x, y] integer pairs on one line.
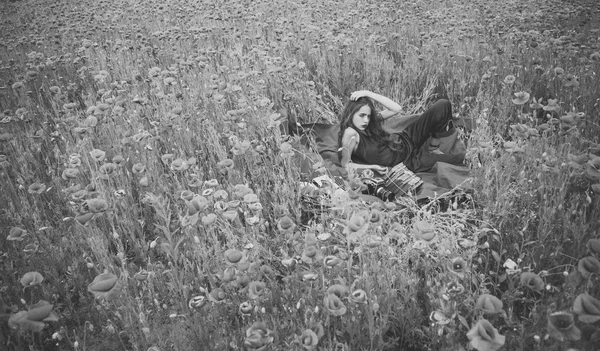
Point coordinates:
[[392, 107]]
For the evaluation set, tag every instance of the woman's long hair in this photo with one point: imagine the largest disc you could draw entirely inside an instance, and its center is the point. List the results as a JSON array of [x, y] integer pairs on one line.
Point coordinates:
[[374, 128]]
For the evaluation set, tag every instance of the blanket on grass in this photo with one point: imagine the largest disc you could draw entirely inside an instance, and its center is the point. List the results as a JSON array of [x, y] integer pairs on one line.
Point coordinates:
[[442, 170]]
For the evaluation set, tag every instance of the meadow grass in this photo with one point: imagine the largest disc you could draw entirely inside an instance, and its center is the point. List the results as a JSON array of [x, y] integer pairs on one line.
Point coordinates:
[[151, 197]]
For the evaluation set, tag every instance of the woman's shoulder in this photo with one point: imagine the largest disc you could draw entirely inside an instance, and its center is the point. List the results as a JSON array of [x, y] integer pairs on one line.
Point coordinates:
[[349, 131], [350, 136]]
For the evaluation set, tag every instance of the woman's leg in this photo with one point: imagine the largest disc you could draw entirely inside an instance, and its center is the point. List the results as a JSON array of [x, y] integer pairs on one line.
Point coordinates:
[[436, 122]]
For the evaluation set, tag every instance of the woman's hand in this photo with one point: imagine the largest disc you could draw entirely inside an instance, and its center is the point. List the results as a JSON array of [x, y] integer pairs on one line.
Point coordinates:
[[379, 169], [361, 93]]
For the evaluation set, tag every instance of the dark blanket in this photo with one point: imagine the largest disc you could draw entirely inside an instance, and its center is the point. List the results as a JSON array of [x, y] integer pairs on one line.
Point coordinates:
[[441, 171]]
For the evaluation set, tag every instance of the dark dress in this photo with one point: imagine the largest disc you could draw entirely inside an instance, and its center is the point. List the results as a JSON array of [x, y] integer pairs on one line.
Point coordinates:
[[436, 122]]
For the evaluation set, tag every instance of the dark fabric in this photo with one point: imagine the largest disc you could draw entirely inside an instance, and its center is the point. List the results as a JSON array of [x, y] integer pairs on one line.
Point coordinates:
[[369, 151], [435, 122]]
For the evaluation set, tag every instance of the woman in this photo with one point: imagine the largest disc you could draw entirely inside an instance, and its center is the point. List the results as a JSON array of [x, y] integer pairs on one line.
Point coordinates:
[[363, 140]]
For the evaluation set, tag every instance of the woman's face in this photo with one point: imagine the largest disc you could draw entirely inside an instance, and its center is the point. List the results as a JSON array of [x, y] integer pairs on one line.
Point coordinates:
[[362, 117]]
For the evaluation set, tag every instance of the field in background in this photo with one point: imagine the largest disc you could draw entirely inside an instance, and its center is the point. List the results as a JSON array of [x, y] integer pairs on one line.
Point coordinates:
[[150, 201]]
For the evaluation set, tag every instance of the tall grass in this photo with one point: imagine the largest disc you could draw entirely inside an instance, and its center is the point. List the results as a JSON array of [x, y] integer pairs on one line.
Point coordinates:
[[184, 191]]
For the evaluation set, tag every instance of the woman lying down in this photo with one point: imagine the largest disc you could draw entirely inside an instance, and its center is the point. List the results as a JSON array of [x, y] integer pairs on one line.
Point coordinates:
[[364, 144]]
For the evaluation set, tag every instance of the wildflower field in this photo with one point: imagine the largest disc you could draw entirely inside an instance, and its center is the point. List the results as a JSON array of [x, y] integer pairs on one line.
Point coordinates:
[[152, 199]]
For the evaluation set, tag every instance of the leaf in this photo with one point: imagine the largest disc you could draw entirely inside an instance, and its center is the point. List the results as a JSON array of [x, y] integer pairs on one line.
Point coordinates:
[[496, 256], [463, 321]]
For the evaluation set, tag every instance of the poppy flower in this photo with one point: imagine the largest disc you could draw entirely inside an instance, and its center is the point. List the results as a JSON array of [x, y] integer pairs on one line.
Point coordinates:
[[144, 181], [98, 155], [559, 71], [258, 337], [226, 164], [308, 339], [454, 288], [84, 217], [209, 219], [107, 169], [521, 98], [458, 266], [532, 281], [488, 304], [424, 230], [331, 261], [105, 286], [256, 289], [286, 150], [31, 279], [96, 205], [338, 290], [439, 318], [245, 308], [197, 301], [552, 105], [571, 81], [34, 319], [375, 217], [230, 215], [484, 337], [118, 159], [141, 275], [588, 265], [285, 224], [358, 296], [16, 234], [510, 79], [70, 173], [179, 165], [333, 305], [561, 326], [217, 295], [36, 188], [594, 246], [138, 168], [587, 308], [233, 256], [579, 159], [250, 198]]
